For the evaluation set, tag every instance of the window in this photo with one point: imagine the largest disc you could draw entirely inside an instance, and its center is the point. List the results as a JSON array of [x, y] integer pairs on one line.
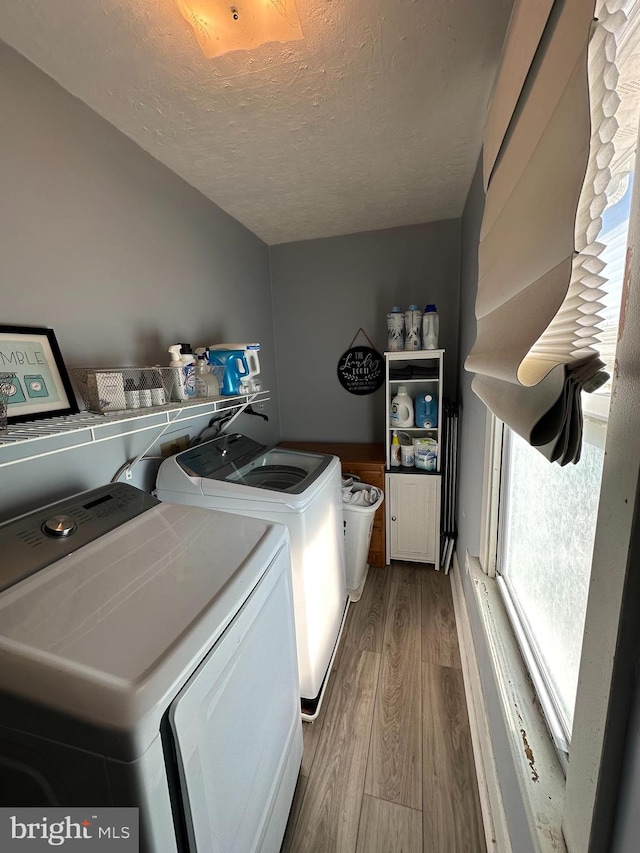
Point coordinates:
[[548, 520], [544, 564]]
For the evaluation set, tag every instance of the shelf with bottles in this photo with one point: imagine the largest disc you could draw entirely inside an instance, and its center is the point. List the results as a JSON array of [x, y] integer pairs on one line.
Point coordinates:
[[419, 373], [428, 452], [412, 329]]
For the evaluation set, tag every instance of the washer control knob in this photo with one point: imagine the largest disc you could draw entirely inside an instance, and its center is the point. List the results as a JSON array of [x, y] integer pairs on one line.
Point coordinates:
[[59, 526]]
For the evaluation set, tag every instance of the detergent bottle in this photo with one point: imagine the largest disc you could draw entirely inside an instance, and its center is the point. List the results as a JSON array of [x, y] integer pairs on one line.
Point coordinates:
[[254, 382], [430, 327], [189, 367], [235, 369], [426, 411], [251, 383], [401, 409]]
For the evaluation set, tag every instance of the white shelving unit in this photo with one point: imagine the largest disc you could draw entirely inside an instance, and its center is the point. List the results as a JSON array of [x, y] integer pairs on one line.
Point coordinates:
[[413, 502], [53, 435]]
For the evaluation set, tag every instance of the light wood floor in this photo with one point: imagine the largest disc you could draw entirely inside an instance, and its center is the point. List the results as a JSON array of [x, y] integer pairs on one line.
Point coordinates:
[[388, 765]]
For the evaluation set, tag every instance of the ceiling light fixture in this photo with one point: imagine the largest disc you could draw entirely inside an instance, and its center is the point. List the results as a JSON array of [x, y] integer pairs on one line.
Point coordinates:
[[222, 26]]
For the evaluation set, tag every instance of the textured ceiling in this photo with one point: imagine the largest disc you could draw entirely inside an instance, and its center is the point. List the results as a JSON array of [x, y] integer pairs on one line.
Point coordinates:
[[372, 120]]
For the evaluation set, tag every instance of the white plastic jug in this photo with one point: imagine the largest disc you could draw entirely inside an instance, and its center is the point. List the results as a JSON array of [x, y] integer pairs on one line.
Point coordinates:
[[430, 328], [401, 409], [426, 411]]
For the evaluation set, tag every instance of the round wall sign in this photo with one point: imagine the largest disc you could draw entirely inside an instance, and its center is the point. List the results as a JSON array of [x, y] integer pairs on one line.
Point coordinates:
[[361, 370]]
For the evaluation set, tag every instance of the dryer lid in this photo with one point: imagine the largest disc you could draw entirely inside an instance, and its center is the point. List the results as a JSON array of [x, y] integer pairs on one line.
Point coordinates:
[[108, 631]]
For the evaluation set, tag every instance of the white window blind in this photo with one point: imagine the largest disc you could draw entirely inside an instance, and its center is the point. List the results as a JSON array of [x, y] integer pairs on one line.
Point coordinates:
[[526, 27], [548, 152]]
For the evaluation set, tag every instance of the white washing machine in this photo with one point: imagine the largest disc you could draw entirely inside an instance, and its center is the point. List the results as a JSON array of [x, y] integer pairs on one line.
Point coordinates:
[[148, 659], [299, 489]]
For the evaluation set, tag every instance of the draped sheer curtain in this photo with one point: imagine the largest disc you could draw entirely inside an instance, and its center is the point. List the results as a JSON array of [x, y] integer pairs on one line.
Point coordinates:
[[547, 160]]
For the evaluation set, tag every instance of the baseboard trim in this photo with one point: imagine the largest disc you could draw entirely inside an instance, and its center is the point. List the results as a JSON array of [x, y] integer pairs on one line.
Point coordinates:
[[493, 814]]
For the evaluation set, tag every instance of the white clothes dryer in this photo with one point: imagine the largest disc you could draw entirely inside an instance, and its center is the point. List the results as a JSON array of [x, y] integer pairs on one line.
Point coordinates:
[[304, 492], [137, 640]]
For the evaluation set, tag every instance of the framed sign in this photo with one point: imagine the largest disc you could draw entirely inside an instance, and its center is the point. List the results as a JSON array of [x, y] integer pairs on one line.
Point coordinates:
[[361, 370], [37, 384]]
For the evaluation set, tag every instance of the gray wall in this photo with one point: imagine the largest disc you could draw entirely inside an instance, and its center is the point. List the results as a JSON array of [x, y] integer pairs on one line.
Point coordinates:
[[325, 290], [118, 255], [473, 412], [470, 466]]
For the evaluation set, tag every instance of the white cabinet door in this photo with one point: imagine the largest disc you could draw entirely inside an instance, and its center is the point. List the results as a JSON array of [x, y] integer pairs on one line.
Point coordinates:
[[237, 726], [413, 518]]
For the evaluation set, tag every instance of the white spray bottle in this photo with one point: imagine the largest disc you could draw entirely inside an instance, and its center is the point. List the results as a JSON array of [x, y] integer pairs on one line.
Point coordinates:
[[179, 387]]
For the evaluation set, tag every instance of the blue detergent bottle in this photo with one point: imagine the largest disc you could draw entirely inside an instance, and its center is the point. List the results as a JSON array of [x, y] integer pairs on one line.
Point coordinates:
[[235, 367], [426, 411]]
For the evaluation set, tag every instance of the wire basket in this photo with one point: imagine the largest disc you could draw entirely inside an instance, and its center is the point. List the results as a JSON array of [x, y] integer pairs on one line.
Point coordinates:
[[114, 389], [7, 388]]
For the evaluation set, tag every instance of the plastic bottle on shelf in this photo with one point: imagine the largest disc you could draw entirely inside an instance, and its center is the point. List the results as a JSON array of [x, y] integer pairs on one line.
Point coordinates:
[[395, 450], [395, 329], [430, 327], [426, 411], [407, 457], [206, 383], [401, 409], [189, 367], [412, 328], [183, 386]]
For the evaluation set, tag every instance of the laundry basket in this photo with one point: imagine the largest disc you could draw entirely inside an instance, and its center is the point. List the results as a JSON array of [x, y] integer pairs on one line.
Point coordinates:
[[358, 524]]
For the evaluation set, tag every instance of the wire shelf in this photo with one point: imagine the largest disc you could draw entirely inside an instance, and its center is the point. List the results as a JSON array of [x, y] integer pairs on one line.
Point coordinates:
[[49, 435]]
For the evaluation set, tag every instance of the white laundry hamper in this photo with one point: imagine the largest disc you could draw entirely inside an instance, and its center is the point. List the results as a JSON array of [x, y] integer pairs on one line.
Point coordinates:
[[358, 524]]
